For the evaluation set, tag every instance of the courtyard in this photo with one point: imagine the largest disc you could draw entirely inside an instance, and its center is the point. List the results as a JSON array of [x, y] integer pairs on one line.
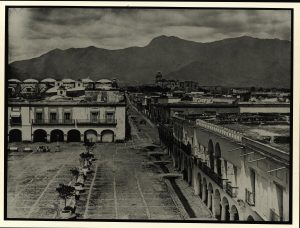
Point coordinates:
[[122, 186]]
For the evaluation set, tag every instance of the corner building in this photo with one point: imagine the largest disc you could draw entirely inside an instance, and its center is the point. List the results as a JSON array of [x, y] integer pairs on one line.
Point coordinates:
[[237, 176]]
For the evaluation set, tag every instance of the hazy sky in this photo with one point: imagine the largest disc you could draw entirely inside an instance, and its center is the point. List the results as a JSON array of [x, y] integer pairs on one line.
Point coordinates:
[[35, 31]]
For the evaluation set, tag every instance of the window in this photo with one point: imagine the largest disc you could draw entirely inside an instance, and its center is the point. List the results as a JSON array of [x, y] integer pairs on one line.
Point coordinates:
[[39, 117], [94, 116], [110, 116], [15, 120], [53, 117], [252, 180], [225, 167], [235, 175], [67, 116]]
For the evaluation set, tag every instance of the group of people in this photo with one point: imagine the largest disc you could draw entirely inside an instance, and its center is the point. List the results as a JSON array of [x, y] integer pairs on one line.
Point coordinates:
[[43, 149]]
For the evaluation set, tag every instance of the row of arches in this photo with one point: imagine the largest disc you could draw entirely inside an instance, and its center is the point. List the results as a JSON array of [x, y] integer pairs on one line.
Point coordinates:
[[218, 205], [56, 135], [214, 154]]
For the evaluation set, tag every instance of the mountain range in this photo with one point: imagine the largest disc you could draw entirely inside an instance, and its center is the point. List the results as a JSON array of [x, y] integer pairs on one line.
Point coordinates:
[[239, 62]]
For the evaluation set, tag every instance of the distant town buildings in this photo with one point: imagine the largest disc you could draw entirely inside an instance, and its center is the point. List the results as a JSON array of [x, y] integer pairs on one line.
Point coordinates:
[[231, 145], [186, 86], [66, 110]]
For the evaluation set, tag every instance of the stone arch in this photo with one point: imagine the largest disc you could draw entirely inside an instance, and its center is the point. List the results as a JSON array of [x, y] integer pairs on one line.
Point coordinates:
[[15, 135], [218, 159], [56, 136], [217, 204], [225, 215], [73, 136], [211, 154], [107, 136], [234, 214], [39, 135], [250, 218], [204, 191], [90, 135], [210, 192]]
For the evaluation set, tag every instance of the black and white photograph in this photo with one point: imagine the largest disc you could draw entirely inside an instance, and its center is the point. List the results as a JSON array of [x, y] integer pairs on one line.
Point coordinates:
[[150, 114]]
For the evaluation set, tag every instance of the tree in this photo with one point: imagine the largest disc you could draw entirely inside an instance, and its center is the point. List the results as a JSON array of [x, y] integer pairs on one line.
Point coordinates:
[[65, 192], [75, 172], [89, 145]]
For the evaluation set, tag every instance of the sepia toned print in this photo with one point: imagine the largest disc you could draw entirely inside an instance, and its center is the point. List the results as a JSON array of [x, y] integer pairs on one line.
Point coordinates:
[[149, 114]]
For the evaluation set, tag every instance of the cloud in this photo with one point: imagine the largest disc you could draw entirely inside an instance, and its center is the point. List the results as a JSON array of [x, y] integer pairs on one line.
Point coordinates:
[[34, 31]]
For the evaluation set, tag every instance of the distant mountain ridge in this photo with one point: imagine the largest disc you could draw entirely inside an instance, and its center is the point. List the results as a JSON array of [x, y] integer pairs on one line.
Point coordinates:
[[242, 61]]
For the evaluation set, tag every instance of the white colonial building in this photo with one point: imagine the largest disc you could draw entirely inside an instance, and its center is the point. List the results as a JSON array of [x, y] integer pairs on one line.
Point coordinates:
[[69, 114]]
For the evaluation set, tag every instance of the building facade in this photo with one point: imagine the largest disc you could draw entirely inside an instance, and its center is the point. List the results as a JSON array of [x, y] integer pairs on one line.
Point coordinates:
[[66, 121], [237, 177], [68, 114]]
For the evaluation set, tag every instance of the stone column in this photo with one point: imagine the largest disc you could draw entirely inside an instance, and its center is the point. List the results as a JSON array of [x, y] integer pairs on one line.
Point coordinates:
[[65, 137], [189, 171], [223, 212], [196, 185], [182, 165], [48, 137], [223, 169], [173, 160], [209, 200], [82, 137], [203, 193], [231, 215], [214, 208]]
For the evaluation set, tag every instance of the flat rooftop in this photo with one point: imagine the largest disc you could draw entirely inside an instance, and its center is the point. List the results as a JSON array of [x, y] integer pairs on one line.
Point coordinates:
[[63, 103], [263, 133]]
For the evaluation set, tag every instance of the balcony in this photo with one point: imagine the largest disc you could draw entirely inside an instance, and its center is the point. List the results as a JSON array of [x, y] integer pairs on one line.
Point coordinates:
[[52, 122], [274, 216], [96, 122], [232, 191], [215, 177], [250, 197], [15, 123]]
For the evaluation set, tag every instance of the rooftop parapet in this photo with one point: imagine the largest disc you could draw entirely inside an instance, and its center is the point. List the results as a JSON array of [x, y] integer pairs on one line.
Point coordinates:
[[268, 150], [229, 133]]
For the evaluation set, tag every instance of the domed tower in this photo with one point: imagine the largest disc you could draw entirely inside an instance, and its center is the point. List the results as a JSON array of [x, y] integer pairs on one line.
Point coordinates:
[[158, 77]]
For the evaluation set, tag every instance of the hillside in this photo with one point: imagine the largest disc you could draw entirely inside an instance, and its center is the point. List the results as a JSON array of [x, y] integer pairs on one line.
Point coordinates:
[[242, 61]]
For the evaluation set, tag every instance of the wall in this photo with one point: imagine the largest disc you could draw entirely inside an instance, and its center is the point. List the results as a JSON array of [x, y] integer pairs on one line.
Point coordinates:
[[77, 112], [253, 109]]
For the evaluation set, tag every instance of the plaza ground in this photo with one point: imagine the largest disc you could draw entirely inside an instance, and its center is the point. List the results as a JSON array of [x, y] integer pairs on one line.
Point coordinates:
[[124, 184]]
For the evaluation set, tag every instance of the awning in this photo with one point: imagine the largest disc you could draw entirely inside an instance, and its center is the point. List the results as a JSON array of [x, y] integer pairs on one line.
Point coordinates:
[[15, 114]]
